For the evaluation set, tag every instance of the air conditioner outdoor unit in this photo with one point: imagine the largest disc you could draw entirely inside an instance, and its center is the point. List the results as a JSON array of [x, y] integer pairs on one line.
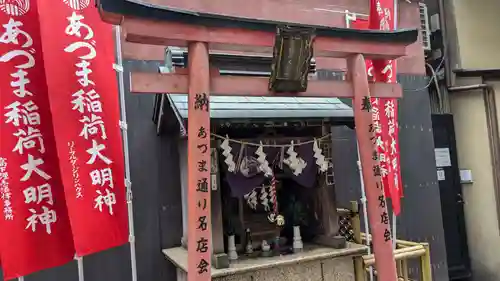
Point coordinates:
[[424, 27]]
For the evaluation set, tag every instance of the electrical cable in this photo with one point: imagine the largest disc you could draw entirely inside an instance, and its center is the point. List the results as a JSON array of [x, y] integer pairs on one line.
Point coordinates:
[[433, 77]]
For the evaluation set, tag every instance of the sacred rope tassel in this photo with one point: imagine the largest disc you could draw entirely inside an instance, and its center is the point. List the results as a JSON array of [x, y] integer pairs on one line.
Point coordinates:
[[252, 199], [295, 163], [320, 158], [264, 165], [264, 198], [226, 151], [274, 217], [272, 191]]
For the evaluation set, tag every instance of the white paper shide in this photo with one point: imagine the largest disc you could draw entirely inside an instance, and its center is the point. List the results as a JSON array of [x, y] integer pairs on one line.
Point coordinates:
[[320, 158], [226, 151], [294, 162], [263, 163]]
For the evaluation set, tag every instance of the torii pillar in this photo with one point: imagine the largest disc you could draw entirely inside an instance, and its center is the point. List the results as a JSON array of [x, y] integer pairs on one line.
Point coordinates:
[[204, 32]]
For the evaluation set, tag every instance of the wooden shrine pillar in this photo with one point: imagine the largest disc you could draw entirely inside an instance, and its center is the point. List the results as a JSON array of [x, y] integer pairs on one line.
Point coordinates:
[[328, 205], [385, 263], [199, 159]]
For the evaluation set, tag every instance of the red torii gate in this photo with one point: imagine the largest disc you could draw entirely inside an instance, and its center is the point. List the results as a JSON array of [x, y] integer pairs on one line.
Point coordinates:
[[203, 32]]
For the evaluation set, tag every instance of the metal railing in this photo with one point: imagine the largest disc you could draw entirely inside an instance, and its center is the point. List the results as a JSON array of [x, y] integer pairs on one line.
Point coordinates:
[[350, 228]]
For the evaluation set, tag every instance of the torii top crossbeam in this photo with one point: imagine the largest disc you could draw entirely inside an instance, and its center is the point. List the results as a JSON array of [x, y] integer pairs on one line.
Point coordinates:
[[147, 22], [166, 27]]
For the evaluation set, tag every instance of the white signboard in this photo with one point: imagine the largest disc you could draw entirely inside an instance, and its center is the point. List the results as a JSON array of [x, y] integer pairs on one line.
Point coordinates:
[[442, 157], [440, 174]]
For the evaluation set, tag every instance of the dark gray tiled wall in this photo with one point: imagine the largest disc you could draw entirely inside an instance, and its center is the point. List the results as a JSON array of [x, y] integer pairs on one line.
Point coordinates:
[[421, 207]]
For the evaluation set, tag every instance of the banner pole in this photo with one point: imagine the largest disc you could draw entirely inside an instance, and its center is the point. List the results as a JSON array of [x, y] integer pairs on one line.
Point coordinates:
[[365, 211], [394, 221], [394, 217], [79, 262], [123, 125], [20, 278]]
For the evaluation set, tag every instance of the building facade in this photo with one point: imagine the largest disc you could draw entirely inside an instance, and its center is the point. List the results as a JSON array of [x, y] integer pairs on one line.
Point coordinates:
[[470, 88]]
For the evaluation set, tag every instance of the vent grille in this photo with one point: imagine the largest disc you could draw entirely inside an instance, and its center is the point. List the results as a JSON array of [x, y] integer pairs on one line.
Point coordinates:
[[424, 26]]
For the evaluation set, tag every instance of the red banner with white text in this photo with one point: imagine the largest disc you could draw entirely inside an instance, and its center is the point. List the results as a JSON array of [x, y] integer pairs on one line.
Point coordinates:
[[79, 56], [385, 119], [380, 121], [382, 18], [35, 227]]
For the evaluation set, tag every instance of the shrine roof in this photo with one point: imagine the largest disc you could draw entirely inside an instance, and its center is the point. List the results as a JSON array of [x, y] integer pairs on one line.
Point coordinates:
[[238, 107], [144, 9]]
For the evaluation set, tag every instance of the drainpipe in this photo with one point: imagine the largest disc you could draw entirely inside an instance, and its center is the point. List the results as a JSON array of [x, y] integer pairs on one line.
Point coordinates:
[[444, 34], [493, 132]]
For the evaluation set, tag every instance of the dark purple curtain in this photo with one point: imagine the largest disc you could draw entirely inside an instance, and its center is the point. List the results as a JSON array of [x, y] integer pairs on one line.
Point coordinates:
[[241, 184]]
